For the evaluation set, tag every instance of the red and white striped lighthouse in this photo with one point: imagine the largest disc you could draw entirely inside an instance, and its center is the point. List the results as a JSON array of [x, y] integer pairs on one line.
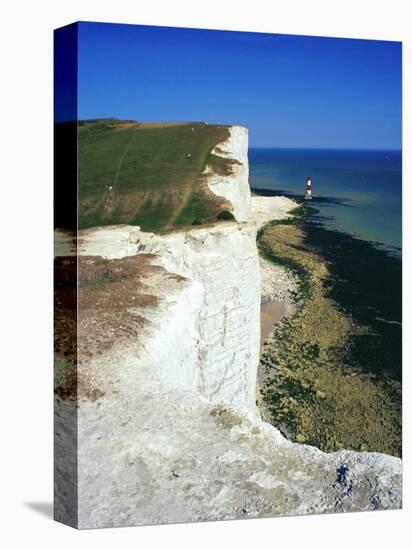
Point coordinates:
[[308, 195]]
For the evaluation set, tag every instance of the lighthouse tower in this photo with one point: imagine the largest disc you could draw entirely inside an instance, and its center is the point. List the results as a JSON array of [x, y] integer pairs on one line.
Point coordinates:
[[308, 195]]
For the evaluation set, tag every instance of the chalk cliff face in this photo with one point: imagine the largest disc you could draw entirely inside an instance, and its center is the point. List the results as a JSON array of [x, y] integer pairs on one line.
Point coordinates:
[[224, 263], [218, 352], [175, 435], [235, 186]]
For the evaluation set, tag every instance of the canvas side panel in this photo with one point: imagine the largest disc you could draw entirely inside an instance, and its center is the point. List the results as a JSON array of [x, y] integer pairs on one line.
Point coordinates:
[[65, 276]]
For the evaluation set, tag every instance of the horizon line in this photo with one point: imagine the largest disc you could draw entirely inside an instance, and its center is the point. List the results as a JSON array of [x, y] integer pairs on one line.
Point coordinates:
[[320, 148]]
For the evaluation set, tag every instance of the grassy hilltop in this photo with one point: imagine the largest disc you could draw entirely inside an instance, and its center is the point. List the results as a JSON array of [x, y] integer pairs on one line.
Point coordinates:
[[155, 174]]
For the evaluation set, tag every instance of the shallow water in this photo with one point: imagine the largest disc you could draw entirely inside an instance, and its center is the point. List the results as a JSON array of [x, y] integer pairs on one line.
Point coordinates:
[[359, 192]]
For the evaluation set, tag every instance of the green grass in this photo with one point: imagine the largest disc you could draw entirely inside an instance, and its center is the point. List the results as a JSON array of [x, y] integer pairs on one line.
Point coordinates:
[[155, 184]]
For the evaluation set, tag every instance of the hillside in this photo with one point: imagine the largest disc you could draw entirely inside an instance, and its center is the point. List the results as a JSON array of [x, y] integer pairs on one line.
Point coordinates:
[[149, 174]]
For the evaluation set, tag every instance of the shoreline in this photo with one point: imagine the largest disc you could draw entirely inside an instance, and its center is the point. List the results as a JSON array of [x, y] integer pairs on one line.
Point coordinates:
[[390, 249], [289, 397]]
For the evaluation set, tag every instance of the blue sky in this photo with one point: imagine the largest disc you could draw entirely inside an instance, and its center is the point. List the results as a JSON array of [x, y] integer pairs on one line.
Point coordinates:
[[290, 91]]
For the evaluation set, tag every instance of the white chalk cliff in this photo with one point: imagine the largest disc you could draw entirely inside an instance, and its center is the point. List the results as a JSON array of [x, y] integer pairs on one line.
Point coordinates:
[[235, 186], [176, 436]]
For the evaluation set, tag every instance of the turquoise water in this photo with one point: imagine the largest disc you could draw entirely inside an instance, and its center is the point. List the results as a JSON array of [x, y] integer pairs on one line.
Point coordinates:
[[358, 192]]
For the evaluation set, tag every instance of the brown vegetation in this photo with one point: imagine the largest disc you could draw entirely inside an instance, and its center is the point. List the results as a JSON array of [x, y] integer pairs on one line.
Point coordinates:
[[98, 303]]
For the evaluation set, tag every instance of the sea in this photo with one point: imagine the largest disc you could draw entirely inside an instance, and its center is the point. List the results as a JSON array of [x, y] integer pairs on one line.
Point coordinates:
[[358, 192]]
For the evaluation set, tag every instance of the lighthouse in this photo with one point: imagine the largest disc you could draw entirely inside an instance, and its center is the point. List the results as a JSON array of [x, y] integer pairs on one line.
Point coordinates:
[[308, 195]]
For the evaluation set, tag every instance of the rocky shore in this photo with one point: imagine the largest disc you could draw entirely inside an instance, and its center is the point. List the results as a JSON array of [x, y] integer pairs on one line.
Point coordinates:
[[309, 389]]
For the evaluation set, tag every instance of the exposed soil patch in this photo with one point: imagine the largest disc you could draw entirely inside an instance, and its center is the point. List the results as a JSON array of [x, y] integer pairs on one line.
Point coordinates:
[[104, 309], [270, 314]]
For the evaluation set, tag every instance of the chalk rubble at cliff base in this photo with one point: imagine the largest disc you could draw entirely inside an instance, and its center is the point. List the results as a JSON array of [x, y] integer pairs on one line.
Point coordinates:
[[176, 435]]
